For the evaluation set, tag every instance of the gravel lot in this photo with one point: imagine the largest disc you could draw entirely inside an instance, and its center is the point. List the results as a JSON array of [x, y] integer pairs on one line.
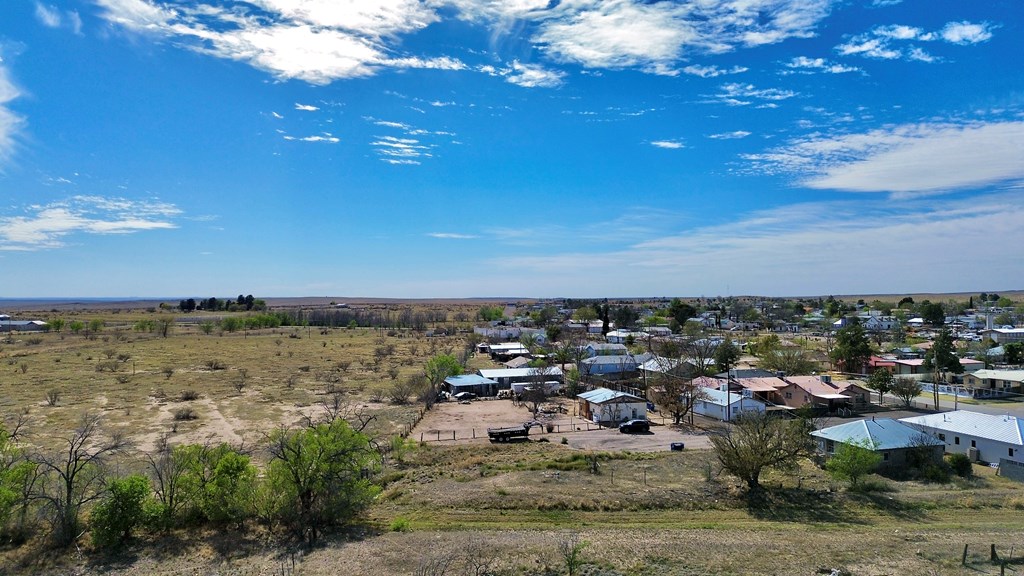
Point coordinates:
[[451, 422]]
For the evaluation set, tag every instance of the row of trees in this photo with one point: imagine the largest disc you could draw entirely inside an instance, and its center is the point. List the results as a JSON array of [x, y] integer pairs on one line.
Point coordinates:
[[213, 304], [317, 476]]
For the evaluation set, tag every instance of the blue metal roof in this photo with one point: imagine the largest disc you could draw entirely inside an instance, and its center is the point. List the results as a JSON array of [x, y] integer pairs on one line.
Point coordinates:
[[1006, 428], [468, 380], [883, 434]]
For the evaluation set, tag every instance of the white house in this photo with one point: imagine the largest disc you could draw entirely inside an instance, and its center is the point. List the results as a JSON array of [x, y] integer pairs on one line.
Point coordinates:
[[1005, 335], [508, 376], [713, 405], [983, 437], [610, 407], [620, 336]]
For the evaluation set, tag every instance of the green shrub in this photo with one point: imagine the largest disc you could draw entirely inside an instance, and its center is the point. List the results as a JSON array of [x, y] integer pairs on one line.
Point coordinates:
[[400, 524], [120, 511], [961, 465], [938, 473]]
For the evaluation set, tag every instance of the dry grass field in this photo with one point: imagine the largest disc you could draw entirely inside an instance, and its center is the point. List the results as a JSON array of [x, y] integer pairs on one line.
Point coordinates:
[[645, 511]]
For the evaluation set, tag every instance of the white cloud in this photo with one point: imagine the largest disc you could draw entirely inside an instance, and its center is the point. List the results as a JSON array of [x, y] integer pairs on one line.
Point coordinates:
[[395, 150], [737, 94], [532, 75], [905, 159], [668, 144], [712, 71], [803, 63], [49, 16], [881, 41], [276, 115], [730, 135], [812, 249], [451, 236], [10, 123], [306, 107], [328, 138], [966, 33], [46, 227]]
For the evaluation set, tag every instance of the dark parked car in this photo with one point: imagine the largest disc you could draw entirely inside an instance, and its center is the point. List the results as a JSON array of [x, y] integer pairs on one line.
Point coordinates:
[[634, 426]]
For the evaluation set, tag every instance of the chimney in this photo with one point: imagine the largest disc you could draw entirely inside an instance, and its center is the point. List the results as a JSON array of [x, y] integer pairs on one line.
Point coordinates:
[[826, 379]]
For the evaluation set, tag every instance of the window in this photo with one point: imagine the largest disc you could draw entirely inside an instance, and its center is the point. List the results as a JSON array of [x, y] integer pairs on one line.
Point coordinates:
[[942, 437], [885, 456], [956, 440], [789, 395], [974, 444], [1011, 452], [830, 446]]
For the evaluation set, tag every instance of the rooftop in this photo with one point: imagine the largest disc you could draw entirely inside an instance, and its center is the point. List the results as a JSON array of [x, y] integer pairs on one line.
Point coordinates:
[[1005, 428], [883, 434]]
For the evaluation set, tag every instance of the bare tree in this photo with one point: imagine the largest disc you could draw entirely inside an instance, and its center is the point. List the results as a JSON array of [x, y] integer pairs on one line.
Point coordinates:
[[677, 395], [73, 476], [169, 467]]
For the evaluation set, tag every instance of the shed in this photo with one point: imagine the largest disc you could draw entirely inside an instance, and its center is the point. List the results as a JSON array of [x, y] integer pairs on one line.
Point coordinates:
[[610, 407]]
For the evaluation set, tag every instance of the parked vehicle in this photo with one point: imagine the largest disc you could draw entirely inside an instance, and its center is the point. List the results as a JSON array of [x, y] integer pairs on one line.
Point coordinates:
[[634, 426], [506, 434]]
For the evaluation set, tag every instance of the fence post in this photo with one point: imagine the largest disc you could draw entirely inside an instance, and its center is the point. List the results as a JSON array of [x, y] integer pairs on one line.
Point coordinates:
[[421, 436]]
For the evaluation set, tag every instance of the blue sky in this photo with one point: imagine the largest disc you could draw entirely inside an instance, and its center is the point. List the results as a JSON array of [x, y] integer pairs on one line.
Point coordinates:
[[453, 148]]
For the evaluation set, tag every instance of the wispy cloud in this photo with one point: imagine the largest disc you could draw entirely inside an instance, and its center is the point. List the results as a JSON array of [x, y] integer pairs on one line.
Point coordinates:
[[319, 41], [401, 150], [736, 94], [451, 236], [10, 123], [325, 137], [532, 75], [48, 226], [668, 144], [886, 42], [52, 17], [792, 250], [905, 159], [811, 65], [730, 135], [712, 71], [306, 107]]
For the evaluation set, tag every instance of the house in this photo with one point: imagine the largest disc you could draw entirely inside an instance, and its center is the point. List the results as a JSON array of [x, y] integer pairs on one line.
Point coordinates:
[[617, 365], [1005, 335], [661, 365], [605, 349], [983, 437], [1002, 381], [518, 362], [610, 407], [505, 377], [880, 323], [821, 393], [971, 365], [621, 336], [712, 403], [9, 325], [507, 350], [896, 441], [908, 366], [473, 383]]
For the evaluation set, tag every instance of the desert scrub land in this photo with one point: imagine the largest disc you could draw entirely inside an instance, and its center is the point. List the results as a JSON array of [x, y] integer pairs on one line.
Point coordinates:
[[453, 508]]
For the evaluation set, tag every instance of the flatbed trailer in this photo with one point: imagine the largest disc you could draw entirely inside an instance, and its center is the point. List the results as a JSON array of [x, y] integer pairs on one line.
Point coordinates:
[[509, 432]]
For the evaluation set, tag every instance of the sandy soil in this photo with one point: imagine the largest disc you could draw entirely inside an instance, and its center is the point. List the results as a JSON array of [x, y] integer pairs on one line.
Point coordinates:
[[451, 422]]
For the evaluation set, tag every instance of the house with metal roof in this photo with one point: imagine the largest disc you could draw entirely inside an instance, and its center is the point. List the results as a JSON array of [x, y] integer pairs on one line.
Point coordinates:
[[899, 444], [474, 383], [508, 376], [8, 325], [617, 366], [726, 406], [983, 437], [1001, 381], [610, 407]]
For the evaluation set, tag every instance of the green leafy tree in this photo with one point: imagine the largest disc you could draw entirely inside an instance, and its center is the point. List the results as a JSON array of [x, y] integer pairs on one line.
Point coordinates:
[[832, 307], [765, 345], [942, 356], [437, 369], [932, 313], [881, 382], [852, 349], [56, 324], [228, 486], [321, 475], [585, 314], [1013, 353], [852, 461], [759, 442], [681, 311], [76, 326], [16, 477], [491, 313], [120, 511], [792, 361], [726, 355], [906, 389], [96, 325]]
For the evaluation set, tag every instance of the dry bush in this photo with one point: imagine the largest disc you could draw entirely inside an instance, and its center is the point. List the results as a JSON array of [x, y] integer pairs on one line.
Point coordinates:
[[182, 414], [189, 395], [167, 371], [52, 397], [216, 365]]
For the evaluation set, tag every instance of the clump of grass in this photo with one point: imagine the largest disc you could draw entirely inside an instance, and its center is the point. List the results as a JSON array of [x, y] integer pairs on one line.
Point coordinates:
[[216, 365], [189, 395], [400, 524], [182, 414]]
